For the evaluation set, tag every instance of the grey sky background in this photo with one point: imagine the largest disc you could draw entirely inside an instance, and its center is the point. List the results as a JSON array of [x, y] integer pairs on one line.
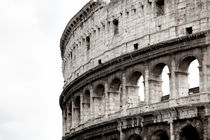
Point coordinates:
[[30, 67]]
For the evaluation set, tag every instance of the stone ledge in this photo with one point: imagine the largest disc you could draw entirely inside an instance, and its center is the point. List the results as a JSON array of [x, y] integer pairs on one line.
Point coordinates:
[[172, 104]]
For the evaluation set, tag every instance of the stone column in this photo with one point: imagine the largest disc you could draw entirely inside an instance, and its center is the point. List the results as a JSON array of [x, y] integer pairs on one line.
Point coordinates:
[[146, 86], [171, 130], [81, 109], [124, 93], [106, 98], [208, 129], [122, 135], [73, 115], [132, 92], [68, 118], [64, 122], [173, 80], [91, 103], [182, 86], [208, 64], [206, 125], [155, 90], [203, 72]]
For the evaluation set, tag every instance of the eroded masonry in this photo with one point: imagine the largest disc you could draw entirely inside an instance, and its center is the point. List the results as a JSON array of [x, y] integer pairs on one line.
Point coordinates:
[[108, 47]]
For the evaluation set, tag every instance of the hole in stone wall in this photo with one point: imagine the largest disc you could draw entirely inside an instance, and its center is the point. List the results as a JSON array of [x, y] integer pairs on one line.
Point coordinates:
[[88, 42], [99, 61], [115, 23], [127, 13], [150, 2], [71, 55], [189, 30], [136, 46], [160, 7]]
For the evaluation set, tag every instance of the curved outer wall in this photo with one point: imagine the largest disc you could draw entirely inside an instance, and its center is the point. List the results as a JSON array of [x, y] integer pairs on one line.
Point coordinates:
[[106, 45]]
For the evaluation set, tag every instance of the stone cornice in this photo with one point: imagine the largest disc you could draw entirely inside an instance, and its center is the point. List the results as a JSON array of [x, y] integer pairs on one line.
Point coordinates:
[[82, 15], [127, 60], [155, 115]]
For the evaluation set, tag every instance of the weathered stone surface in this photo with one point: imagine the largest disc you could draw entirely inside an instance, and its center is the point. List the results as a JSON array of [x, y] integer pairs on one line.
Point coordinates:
[[107, 46]]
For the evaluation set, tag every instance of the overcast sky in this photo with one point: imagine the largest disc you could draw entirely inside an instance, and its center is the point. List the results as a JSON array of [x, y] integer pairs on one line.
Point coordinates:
[[30, 67]]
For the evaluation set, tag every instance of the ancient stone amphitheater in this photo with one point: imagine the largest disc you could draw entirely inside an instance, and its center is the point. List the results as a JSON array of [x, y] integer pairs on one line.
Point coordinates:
[[108, 46]]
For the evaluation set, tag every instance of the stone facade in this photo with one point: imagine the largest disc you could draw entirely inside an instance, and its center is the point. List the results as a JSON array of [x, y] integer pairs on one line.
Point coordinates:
[[107, 47]]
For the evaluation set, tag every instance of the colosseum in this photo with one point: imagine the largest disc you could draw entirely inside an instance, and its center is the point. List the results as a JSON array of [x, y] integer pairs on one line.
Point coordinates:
[[109, 46]]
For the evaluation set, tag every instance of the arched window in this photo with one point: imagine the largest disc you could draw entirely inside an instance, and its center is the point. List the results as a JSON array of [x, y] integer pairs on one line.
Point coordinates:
[[135, 137], [115, 85], [77, 110], [193, 77], [140, 84], [165, 81], [189, 133], [159, 83], [159, 135], [135, 89], [98, 100], [188, 76], [86, 105], [99, 90]]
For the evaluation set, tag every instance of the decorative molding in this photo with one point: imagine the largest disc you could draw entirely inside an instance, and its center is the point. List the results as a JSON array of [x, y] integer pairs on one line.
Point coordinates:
[[130, 59]]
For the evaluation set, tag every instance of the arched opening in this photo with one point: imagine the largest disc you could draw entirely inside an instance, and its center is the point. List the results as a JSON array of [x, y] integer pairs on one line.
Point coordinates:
[[115, 85], [77, 110], [99, 90], [140, 84], [188, 76], [86, 105], [189, 133], [135, 89], [193, 77], [159, 135], [114, 95], [159, 83], [135, 137], [165, 82], [98, 100]]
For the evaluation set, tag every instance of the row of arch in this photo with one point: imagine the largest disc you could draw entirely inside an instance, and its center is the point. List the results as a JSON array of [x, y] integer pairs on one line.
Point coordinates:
[[98, 103], [187, 133]]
